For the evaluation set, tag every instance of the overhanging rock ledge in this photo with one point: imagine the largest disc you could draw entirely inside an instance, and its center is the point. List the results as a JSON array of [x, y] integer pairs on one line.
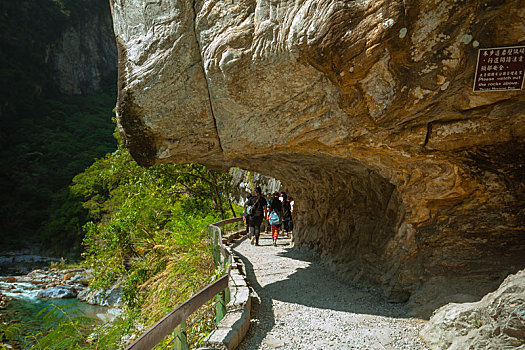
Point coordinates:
[[404, 177]]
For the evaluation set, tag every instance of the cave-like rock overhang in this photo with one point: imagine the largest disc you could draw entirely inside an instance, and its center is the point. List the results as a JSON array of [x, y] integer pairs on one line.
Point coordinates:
[[404, 176]]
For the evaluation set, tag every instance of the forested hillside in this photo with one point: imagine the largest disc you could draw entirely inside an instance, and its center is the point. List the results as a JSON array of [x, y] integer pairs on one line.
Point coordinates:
[[46, 136]]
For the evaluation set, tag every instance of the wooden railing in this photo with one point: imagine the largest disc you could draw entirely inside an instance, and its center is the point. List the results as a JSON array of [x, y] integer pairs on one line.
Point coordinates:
[[172, 322]]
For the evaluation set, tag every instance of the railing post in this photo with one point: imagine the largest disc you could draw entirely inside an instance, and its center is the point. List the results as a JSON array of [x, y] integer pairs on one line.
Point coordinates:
[[180, 337], [227, 296], [216, 248], [220, 310]]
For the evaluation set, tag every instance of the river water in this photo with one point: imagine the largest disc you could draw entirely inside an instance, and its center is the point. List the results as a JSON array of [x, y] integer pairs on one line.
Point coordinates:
[[26, 306], [29, 310]]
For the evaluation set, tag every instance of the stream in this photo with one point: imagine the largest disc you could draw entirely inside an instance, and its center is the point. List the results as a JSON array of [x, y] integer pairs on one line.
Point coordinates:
[[25, 306]]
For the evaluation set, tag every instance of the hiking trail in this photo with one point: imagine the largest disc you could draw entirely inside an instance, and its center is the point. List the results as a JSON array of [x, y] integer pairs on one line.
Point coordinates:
[[301, 304]]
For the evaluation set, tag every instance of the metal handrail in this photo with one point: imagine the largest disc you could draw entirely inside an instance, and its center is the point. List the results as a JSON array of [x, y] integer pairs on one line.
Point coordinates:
[[168, 323]]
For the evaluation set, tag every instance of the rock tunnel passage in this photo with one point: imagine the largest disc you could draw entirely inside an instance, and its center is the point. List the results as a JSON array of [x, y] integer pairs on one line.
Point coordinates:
[[286, 88], [350, 214], [301, 304], [372, 227]]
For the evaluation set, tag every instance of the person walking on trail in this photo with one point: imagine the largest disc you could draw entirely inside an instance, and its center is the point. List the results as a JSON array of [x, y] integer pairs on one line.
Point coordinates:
[[245, 216], [275, 216], [256, 209], [287, 214], [267, 226]]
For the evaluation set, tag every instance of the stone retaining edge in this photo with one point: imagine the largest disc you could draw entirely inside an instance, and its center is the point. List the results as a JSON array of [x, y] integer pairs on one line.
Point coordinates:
[[232, 329]]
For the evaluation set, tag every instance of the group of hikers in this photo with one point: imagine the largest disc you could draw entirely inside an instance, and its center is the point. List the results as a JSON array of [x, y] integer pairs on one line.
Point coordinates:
[[276, 213]]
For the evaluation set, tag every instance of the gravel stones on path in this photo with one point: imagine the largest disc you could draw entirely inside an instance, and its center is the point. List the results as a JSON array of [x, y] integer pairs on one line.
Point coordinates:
[[301, 304]]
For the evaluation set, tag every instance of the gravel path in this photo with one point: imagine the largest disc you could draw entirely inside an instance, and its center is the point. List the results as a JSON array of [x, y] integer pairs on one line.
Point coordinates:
[[301, 304]]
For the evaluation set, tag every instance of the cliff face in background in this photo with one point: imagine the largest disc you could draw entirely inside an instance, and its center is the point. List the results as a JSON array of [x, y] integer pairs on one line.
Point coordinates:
[[84, 56], [403, 176], [244, 182]]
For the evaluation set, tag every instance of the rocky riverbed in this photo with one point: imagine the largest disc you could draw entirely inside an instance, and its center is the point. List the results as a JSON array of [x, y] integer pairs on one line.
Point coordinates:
[[58, 284], [51, 283], [26, 273], [22, 297]]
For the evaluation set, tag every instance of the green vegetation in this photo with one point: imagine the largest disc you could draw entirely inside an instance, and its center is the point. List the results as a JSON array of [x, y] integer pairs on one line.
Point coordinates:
[[141, 214], [40, 156], [477, 323], [146, 229], [69, 328], [8, 331]]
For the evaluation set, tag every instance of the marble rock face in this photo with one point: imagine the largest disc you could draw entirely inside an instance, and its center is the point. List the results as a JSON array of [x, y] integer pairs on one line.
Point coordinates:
[[403, 177], [495, 322]]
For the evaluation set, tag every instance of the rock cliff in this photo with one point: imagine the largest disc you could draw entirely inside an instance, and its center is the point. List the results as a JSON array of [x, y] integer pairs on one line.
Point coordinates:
[[495, 322], [244, 182], [403, 176], [85, 55]]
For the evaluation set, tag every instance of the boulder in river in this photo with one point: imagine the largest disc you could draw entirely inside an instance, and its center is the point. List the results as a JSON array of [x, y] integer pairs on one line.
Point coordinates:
[[105, 297], [79, 279], [58, 292]]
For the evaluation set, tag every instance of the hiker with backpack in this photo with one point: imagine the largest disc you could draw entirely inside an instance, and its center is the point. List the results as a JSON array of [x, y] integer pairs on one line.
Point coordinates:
[[275, 216], [256, 210]]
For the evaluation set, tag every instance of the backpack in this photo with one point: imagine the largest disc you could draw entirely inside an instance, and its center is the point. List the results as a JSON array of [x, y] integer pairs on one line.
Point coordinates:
[[274, 218], [250, 209]]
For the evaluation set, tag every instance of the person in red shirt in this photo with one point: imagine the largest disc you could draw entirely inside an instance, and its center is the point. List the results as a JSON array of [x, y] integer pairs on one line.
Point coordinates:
[[275, 216]]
